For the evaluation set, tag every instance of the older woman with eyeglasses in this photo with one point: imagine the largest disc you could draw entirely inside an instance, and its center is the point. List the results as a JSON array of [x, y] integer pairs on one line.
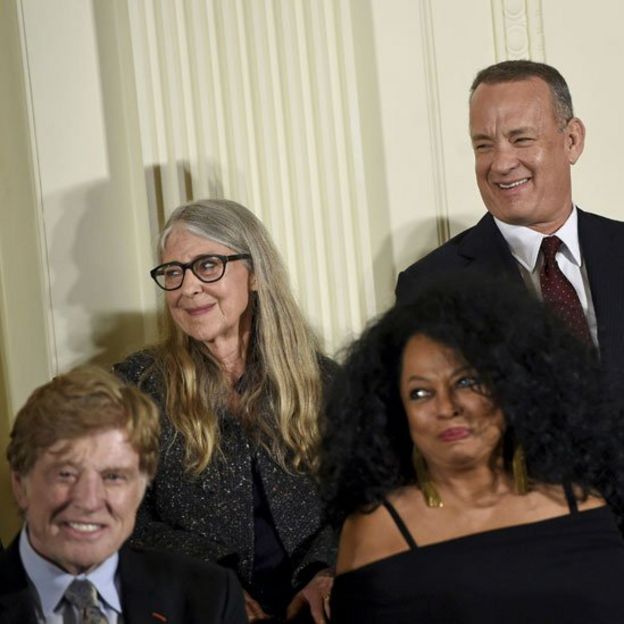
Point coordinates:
[[240, 383]]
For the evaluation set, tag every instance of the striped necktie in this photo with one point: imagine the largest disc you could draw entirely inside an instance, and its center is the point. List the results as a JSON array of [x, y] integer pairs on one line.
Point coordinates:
[[83, 595]]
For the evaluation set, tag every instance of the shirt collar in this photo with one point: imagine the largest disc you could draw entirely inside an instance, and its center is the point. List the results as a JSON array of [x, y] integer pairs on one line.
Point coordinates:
[[50, 581], [525, 243]]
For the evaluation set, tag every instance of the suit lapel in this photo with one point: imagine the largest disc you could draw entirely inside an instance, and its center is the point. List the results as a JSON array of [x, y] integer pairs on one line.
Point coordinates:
[[16, 601], [17, 608], [144, 601], [602, 246], [487, 251]]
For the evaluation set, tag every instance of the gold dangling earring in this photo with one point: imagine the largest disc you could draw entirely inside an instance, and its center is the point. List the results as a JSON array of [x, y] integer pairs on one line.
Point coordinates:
[[519, 471], [432, 498]]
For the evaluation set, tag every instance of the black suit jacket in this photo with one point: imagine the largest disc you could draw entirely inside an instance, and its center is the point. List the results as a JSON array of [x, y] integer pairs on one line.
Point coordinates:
[[484, 249], [156, 588]]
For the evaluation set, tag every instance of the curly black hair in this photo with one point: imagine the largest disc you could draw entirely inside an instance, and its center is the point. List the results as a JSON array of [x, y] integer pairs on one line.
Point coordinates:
[[548, 385]]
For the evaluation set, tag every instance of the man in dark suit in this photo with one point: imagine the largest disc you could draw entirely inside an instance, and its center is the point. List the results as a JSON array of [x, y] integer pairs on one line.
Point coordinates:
[[525, 139], [82, 451]]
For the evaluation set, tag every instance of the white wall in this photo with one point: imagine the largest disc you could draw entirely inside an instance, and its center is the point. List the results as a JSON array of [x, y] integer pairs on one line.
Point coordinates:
[[427, 54]]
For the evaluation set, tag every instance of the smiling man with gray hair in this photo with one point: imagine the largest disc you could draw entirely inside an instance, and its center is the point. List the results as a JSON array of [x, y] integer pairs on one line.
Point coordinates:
[[525, 139]]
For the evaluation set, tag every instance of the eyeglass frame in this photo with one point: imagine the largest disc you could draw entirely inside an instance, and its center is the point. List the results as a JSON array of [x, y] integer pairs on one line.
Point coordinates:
[[189, 265]]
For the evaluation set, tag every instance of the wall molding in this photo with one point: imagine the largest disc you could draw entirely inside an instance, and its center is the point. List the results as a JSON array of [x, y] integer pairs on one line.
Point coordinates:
[[518, 29], [435, 121]]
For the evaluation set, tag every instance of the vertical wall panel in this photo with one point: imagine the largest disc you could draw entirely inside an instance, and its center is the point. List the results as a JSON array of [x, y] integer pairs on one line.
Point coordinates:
[[357, 250], [253, 101], [82, 138], [435, 123], [535, 29], [26, 329]]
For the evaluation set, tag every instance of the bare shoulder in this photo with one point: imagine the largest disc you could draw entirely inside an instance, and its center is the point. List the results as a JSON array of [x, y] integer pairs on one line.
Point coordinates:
[[591, 502], [555, 494], [366, 538]]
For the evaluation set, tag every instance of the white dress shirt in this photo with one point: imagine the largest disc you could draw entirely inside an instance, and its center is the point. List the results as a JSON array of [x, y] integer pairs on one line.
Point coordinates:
[[524, 244], [49, 583]]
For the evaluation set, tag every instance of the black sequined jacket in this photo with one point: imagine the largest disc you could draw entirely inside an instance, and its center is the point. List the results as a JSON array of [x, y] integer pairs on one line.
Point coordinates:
[[211, 516]]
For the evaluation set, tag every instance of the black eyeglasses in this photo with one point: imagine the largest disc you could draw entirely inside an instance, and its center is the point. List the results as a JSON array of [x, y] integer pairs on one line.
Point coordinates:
[[208, 269]]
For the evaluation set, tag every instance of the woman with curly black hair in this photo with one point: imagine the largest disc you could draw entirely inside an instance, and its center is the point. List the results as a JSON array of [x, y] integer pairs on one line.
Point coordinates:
[[477, 466]]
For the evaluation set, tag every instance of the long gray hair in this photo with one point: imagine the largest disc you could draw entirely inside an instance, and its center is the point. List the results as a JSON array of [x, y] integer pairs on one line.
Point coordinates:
[[282, 393]]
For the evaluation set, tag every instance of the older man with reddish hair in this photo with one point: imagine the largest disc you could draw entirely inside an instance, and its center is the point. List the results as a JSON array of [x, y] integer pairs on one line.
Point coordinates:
[[82, 451]]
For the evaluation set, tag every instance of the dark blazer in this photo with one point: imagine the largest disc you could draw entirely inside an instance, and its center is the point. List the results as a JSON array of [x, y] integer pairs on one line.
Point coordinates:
[[156, 588], [484, 249], [211, 516]]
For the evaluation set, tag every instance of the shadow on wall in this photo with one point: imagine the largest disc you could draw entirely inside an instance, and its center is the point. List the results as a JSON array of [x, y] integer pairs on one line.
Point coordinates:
[[95, 278], [422, 237], [99, 287], [426, 235]]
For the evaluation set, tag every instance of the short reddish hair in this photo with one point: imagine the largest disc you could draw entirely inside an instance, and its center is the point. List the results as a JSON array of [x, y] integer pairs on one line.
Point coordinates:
[[84, 400]]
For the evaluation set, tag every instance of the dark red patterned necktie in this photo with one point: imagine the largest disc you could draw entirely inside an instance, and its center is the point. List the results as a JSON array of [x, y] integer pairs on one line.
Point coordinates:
[[558, 294]]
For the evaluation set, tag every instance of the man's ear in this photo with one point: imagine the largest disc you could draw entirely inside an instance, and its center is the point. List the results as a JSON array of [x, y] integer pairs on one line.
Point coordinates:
[[19, 483], [575, 139]]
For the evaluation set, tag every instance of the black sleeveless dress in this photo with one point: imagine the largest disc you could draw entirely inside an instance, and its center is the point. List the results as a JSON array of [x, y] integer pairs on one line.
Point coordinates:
[[568, 569]]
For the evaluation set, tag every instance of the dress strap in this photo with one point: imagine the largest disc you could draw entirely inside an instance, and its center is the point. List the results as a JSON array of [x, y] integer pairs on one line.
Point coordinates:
[[570, 498], [400, 524]]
